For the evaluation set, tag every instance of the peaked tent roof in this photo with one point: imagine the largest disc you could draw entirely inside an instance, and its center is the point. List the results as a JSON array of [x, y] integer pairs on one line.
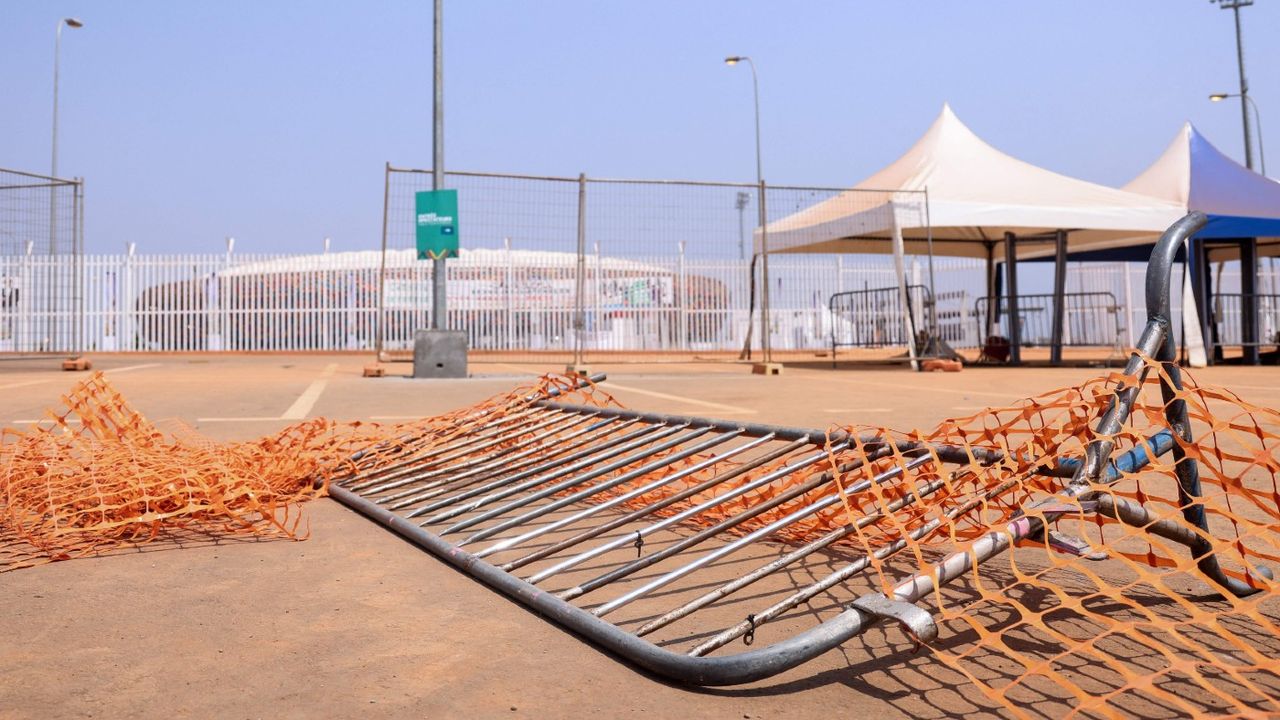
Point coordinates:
[[975, 194], [1198, 176]]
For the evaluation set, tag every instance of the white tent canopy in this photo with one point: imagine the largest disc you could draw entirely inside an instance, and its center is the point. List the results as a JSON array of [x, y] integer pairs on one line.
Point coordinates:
[[975, 194]]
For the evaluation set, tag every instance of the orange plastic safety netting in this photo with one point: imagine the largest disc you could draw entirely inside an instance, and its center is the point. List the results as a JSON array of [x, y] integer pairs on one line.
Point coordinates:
[[99, 476], [1103, 616]]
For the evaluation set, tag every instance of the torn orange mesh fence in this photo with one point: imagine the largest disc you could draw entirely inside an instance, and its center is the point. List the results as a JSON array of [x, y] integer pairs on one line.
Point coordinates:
[[99, 475]]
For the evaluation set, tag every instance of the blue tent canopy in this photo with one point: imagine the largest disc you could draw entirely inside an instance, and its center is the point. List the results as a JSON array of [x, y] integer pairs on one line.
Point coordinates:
[[1239, 202]]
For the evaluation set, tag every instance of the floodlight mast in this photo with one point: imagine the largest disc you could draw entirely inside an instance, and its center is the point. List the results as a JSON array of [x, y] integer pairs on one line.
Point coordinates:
[[1234, 6]]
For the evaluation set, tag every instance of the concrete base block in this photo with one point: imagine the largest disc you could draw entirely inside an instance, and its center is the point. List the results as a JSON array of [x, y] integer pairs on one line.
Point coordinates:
[[767, 368], [374, 370], [439, 354], [583, 370], [77, 364]]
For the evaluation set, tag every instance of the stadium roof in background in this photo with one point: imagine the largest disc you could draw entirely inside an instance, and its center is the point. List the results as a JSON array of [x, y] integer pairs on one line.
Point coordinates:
[[976, 193]]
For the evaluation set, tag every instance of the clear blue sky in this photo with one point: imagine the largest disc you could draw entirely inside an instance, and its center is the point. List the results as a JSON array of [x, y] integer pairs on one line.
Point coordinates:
[[270, 121]]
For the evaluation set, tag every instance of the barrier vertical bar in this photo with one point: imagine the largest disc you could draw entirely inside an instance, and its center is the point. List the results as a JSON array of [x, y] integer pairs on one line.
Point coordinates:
[[1011, 278], [904, 297]]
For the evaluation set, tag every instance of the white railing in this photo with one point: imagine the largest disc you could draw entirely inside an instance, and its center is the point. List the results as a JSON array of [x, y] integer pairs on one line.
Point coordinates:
[[507, 300]]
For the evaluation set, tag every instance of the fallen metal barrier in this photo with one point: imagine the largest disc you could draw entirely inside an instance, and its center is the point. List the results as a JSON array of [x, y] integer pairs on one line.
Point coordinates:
[[643, 532]]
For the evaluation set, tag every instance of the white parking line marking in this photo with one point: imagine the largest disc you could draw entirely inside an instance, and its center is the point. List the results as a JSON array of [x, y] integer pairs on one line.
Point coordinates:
[[41, 381], [25, 384], [926, 388], [307, 400], [240, 419], [131, 368], [721, 407]]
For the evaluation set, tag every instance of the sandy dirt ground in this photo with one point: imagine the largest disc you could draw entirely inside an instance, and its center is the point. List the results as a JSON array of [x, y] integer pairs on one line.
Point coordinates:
[[354, 621]]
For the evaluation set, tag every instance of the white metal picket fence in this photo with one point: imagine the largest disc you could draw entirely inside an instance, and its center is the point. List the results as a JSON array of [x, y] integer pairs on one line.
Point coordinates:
[[506, 299]]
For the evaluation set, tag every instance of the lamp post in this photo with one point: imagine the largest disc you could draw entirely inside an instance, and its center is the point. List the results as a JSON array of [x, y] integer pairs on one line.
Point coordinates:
[[53, 191], [1257, 121], [57, 52], [1234, 6], [764, 231]]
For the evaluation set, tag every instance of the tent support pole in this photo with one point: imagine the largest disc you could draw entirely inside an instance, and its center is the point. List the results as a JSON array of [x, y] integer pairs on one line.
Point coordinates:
[[1249, 299], [933, 290], [993, 294], [1200, 278], [1011, 279], [899, 266], [1059, 296]]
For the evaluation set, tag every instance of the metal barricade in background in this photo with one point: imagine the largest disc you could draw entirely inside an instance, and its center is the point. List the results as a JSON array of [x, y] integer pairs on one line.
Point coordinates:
[[1090, 319], [873, 318], [1231, 312]]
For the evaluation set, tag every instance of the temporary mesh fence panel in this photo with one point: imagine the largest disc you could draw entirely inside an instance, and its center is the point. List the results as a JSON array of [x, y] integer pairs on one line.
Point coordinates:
[[665, 265], [668, 269], [40, 263]]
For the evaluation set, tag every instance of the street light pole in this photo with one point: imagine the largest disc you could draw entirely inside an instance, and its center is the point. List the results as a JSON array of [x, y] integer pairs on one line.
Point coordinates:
[[57, 54], [1257, 121], [1234, 6], [765, 344], [53, 171]]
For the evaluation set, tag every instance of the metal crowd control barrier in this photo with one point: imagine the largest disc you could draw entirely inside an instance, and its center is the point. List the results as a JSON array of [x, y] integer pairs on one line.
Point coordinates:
[[1091, 318], [873, 318], [1245, 320], [556, 522]]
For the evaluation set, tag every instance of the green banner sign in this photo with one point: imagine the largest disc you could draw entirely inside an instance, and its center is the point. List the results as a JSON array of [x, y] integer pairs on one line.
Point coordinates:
[[437, 222]]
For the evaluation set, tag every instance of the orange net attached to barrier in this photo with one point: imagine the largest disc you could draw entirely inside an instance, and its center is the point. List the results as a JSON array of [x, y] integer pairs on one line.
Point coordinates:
[[1107, 611]]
